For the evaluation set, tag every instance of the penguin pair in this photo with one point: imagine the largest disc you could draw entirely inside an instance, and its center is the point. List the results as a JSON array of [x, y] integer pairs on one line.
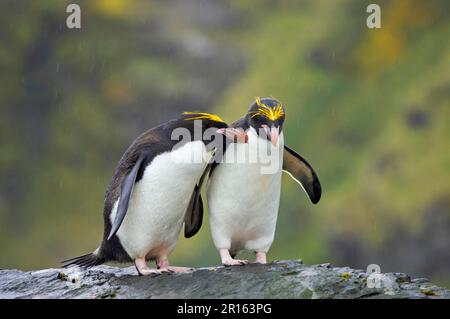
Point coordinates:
[[243, 194], [151, 190], [150, 195]]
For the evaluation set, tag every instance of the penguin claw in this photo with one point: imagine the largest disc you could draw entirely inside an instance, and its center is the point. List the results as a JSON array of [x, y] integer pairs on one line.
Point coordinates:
[[176, 269], [234, 262], [156, 274], [149, 272], [165, 270]]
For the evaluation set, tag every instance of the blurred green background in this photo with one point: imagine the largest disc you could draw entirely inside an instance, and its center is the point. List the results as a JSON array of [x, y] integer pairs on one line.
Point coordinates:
[[369, 109]]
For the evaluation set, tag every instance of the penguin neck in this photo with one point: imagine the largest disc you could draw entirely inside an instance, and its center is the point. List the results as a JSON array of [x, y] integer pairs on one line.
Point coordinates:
[[254, 137], [269, 157]]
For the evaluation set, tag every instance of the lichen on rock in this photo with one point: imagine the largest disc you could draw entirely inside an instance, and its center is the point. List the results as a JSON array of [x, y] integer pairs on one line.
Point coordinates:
[[283, 279]]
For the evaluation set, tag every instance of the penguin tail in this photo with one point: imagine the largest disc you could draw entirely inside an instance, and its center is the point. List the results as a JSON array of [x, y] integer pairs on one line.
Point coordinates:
[[84, 261]]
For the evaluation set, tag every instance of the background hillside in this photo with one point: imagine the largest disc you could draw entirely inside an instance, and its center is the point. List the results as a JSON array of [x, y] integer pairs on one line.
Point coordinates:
[[368, 108]]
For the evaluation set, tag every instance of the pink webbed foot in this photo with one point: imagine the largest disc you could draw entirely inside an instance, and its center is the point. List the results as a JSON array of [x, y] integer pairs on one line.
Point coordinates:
[[163, 265], [144, 270], [178, 269], [234, 262], [227, 260]]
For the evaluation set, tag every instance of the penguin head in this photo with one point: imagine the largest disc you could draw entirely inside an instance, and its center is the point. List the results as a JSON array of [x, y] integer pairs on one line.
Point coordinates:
[[266, 116], [211, 124], [207, 120]]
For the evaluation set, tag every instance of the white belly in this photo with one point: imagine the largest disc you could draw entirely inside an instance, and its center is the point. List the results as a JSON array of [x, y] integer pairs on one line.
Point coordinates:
[[158, 203], [243, 201]]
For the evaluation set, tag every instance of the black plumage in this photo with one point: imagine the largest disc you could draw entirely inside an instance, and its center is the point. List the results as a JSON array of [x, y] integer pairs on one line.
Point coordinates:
[[130, 170]]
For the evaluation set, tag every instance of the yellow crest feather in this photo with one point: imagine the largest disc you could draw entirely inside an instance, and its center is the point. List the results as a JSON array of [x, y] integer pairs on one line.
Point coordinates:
[[270, 113], [203, 116]]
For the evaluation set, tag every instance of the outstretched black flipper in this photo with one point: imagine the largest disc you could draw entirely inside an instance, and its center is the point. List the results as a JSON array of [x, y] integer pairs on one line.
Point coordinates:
[[300, 170], [127, 189]]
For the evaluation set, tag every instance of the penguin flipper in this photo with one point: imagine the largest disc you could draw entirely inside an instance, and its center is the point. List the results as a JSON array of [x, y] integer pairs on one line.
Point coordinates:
[[194, 212], [302, 172], [126, 190]]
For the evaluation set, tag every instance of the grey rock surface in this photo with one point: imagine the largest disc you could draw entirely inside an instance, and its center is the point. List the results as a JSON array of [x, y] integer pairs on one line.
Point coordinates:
[[284, 279]]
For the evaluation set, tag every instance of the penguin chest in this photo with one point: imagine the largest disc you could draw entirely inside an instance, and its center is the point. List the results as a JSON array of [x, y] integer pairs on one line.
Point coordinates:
[[244, 197], [158, 203]]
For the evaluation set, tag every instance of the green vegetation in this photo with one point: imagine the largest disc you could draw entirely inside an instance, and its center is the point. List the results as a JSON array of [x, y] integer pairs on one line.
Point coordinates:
[[368, 108]]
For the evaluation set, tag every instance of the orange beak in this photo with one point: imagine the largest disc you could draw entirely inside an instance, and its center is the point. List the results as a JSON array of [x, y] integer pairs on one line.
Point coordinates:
[[274, 134], [234, 134]]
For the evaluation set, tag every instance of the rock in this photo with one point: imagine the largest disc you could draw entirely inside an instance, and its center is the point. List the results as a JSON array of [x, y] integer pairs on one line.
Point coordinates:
[[283, 279]]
